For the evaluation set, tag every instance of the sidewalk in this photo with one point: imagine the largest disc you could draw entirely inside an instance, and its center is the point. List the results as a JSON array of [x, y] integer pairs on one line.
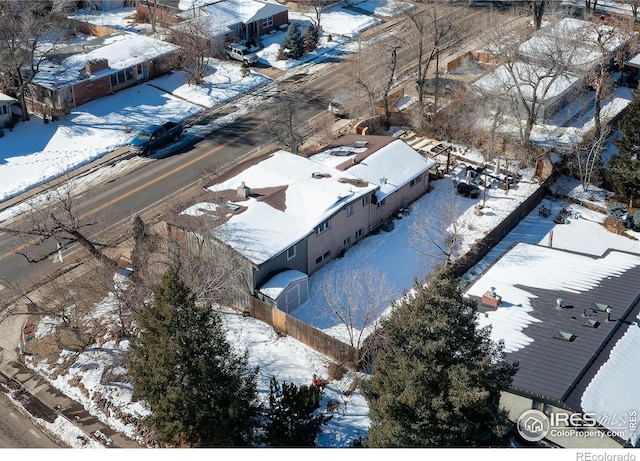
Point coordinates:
[[38, 397]]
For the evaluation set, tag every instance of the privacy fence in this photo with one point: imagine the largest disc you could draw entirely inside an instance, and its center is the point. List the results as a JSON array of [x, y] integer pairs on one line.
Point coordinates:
[[318, 340]]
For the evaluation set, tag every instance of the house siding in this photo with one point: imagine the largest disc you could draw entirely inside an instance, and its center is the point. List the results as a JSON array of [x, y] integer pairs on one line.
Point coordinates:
[[342, 227], [278, 20], [281, 262], [89, 90]]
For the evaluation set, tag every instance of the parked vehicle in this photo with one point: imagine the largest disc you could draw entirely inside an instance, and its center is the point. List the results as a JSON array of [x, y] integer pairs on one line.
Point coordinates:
[[241, 53], [155, 136], [338, 105]]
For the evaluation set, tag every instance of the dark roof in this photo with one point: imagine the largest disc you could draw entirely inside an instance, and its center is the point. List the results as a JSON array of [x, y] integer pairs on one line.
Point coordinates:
[[557, 370]]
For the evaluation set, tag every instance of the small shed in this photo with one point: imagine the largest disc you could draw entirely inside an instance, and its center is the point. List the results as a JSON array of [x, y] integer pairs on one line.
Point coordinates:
[[286, 290]]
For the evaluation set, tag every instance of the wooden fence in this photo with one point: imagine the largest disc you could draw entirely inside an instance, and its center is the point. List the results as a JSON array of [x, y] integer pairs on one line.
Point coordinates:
[[318, 340], [481, 248]]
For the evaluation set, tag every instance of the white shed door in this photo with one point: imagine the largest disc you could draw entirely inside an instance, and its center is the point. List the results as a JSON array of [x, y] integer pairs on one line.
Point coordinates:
[[292, 297]]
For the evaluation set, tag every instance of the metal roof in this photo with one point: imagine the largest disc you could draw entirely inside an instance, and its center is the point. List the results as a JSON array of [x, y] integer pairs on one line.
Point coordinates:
[[557, 370]]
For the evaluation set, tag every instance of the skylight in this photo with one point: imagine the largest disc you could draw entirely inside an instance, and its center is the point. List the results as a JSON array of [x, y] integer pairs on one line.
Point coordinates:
[[563, 335]]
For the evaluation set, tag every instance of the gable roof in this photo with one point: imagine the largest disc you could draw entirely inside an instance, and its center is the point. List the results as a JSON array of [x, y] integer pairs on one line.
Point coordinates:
[[530, 279], [122, 50], [244, 11], [291, 195]]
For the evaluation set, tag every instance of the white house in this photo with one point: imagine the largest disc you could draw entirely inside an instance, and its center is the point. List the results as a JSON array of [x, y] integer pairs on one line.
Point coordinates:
[[5, 109]]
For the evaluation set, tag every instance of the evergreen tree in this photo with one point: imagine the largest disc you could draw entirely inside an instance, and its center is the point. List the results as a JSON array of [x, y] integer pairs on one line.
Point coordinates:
[[293, 42], [200, 392], [624, 169], [438, 379], [291, 418], [311, 38]]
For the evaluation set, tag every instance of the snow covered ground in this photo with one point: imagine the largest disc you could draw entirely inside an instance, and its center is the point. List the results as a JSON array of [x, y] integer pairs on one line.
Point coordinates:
[[34, 152]]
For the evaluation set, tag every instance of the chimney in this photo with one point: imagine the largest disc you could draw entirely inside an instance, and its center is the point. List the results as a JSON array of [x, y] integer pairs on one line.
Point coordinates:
[[243, 190], [491, 298], [96, 65]]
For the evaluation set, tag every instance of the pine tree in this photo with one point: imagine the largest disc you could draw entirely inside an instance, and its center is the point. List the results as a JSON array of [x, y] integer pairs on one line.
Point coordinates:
[[438, 379], [293, 42], [291, 418], [623, 169], [199, 391], [311, 38]]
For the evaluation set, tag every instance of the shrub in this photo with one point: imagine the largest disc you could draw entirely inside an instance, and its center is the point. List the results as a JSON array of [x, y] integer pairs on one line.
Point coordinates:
[[636, 220], [617, 211]]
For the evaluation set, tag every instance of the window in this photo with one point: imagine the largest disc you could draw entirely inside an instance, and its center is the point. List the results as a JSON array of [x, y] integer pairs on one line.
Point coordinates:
[[323, 227], [359, 233], [347, 241], [121, 76], [291, 253], [267, 22], [325, 256], [415, 181], [350, 209], [365, 200], [381, 203], [4, 110]]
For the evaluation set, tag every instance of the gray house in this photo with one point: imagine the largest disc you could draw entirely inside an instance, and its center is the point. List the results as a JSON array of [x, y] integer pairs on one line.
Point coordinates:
[[283, 212]]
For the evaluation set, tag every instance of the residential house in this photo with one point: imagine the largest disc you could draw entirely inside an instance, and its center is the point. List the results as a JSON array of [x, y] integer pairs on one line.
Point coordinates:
[[236, 20], [570, 320], [97, 67], [6, 115], [285, 212], [577, 46]]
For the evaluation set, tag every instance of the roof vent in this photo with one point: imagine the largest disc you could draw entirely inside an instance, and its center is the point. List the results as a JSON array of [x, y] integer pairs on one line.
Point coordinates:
[[232, 206], [559, 303], [318, 175], [360, 143]]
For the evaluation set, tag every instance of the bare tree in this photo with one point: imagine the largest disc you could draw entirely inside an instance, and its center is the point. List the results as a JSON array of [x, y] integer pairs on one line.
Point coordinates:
[[530, 71], [195, 39], [46, 230], [433, 33], [317, 7], [29, 32], [613, 44], [437, 231], [152, 9], [585, 156], [287, 127], [356, 298]]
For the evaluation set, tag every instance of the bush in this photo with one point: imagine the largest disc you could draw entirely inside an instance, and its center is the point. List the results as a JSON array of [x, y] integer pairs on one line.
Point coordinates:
[[617, 211], [636, 220]]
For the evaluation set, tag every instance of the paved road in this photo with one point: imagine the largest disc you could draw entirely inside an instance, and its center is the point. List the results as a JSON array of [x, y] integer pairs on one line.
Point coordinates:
[[17, 431]]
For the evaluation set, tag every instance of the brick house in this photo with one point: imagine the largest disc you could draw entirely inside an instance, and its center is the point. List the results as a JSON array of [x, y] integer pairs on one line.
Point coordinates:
[[100, 66], [239, 20]]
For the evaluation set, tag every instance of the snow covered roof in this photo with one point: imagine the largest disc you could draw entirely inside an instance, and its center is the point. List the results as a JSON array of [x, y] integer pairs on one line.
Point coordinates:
[[279, 282], [291, 195], [122, 50], [5, 99], [501, 81], [530, 279], [232, 12], [613, 391], [577, 38]]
